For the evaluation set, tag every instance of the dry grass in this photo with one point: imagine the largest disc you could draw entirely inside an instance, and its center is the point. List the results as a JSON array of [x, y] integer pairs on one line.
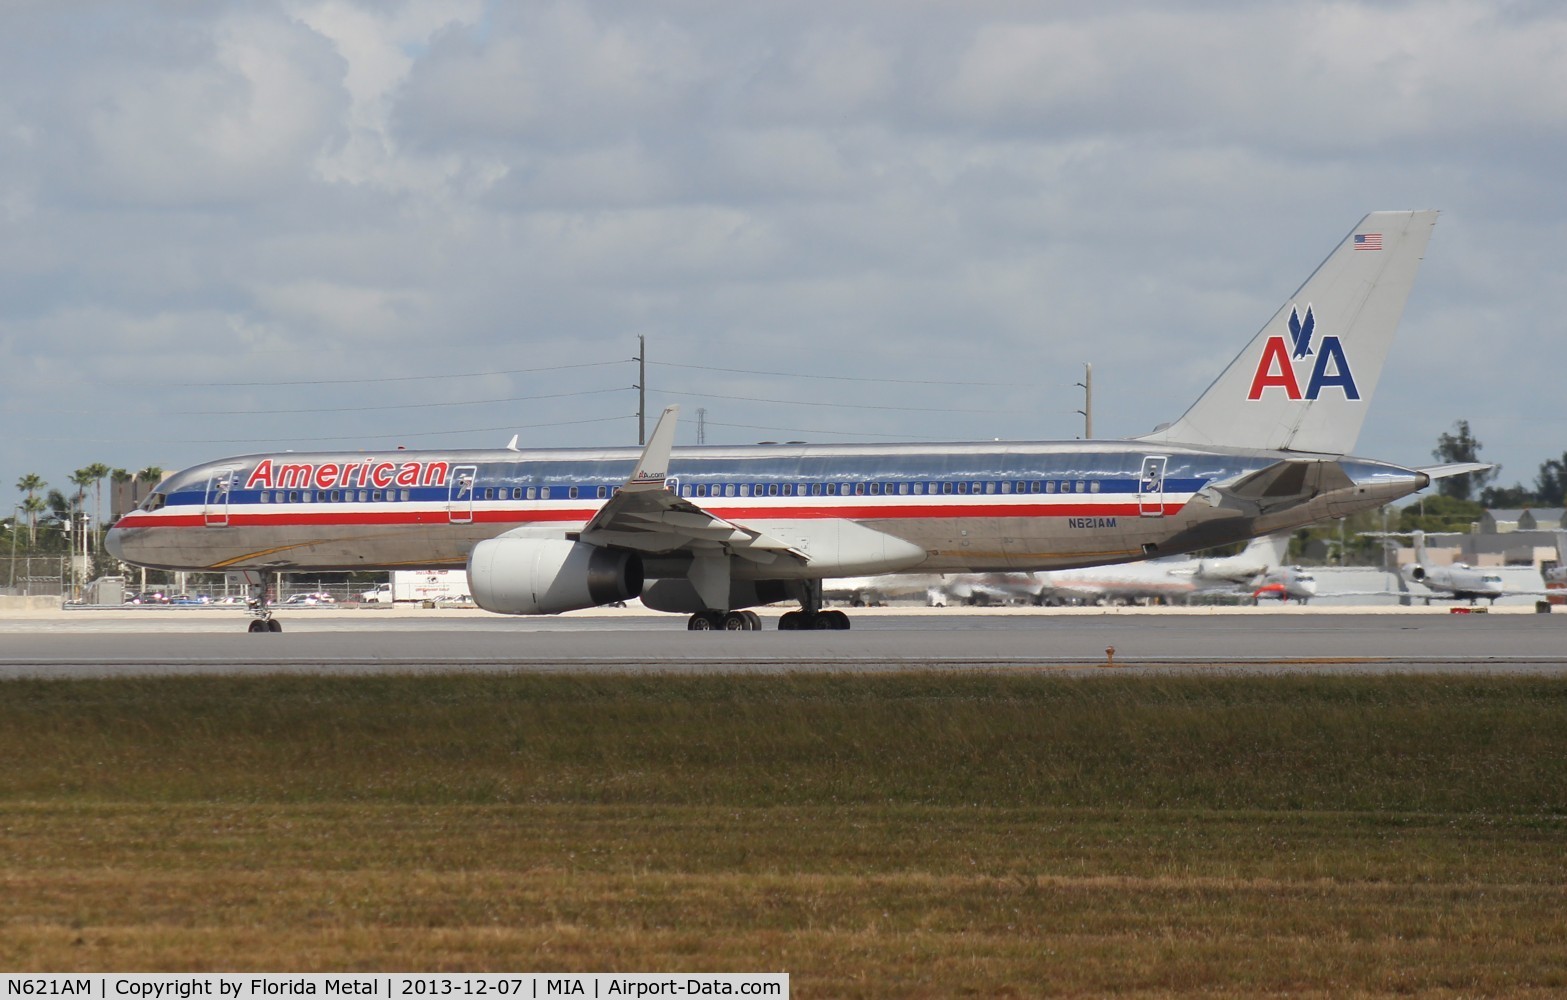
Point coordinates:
[[927, 835]]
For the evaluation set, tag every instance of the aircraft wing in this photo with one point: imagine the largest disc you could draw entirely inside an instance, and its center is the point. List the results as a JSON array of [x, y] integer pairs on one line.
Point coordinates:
[[645, 516]]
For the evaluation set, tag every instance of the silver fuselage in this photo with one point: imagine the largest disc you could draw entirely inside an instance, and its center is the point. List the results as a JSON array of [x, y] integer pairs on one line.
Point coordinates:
[[969, 507]]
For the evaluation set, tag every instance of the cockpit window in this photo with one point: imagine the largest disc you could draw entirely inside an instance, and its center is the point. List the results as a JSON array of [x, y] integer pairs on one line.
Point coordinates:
[[154, 501]]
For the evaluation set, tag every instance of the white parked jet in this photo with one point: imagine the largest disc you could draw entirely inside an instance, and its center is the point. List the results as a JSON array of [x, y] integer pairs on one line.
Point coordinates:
[[712, 531], [1260, 564], [1456, 581]]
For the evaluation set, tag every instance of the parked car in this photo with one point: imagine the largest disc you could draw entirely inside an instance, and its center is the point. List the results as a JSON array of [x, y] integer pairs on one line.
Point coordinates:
[[312, 598]]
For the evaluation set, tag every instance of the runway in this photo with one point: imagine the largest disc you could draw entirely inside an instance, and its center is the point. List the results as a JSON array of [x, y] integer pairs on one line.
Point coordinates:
[[208, 641]]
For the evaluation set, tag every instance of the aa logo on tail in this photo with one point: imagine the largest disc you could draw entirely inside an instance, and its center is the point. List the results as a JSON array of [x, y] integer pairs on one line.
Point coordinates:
[[1276, 367]]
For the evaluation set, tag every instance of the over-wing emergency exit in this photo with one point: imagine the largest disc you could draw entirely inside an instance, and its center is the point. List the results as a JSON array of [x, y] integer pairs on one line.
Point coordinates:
[[712, 531]]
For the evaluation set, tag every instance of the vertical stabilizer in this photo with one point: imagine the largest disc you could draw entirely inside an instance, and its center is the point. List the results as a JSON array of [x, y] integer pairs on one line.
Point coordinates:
[[1270, 550], [1305, 380]]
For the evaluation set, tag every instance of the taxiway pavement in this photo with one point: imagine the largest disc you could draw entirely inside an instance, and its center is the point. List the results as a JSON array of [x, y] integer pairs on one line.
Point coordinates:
[[204, 641]]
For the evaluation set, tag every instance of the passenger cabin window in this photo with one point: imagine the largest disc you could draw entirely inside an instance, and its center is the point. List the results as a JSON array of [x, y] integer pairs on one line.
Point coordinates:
[[603, 492]]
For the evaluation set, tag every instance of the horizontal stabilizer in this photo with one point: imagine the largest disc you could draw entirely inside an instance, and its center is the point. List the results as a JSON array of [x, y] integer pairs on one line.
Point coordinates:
[[1454, 469], [1290, 479]]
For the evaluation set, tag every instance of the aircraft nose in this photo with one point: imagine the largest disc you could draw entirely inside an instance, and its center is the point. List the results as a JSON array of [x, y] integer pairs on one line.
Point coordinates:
[[114, 542]]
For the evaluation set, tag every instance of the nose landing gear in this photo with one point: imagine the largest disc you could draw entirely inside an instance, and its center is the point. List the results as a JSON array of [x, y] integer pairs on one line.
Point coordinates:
[[261, 615]]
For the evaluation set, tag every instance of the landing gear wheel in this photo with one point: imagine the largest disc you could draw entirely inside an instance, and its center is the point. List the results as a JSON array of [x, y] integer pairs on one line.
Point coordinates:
[[736, 621], [258, 625], [273, 625], [839, 620], [790, 621], [700, 622], [821, 621], [755, 620]]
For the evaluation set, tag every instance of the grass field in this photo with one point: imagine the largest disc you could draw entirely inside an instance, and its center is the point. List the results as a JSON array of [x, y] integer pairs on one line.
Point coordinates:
[[923, 835]]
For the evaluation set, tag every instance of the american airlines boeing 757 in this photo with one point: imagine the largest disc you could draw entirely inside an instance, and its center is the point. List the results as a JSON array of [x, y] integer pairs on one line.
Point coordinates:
[[712, 531]]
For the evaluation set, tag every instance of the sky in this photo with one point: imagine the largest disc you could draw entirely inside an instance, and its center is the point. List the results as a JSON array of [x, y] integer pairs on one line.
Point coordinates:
[[232, 228]]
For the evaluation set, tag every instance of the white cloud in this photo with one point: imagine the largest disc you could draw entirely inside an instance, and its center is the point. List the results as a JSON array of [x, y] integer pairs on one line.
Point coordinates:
[[986, 192]]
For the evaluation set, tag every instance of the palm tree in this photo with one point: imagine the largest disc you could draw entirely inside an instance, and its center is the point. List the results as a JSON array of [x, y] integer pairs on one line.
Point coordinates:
[[98, 471], [32, 507], [82, 478], [119, 477], [151, 475], [31, 484]]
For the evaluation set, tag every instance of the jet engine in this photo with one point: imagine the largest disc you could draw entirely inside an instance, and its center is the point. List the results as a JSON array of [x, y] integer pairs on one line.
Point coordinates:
[[675, 594], [542, 576]]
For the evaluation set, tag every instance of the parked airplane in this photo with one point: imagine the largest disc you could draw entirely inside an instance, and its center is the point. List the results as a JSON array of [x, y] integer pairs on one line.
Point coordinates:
[[1459, 581], [1558, 574], [1287, 583], [1433, 582], [1169, 579], [712, 531]]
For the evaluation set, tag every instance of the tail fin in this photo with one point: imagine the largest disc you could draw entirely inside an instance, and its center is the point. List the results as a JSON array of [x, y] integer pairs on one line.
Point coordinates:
[[1305, 380], [1270, 550]]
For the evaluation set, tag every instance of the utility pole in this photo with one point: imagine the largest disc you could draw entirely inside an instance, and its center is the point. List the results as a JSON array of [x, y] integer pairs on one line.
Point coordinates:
[[641, 389], [16, 524], [701, 425], [1087, 385]]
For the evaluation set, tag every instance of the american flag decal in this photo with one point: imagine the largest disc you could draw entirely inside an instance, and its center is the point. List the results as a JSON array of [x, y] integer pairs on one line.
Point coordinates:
[[1368, 241]]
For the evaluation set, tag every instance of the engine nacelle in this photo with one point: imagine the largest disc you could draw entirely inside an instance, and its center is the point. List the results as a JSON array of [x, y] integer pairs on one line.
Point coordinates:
[[545, 576], [678, 595]]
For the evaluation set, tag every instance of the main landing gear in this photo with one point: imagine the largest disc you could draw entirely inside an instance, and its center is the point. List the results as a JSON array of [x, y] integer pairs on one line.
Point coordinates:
[[261, 615], [725, 621], [749, 621], [810, 617], [803, 621]]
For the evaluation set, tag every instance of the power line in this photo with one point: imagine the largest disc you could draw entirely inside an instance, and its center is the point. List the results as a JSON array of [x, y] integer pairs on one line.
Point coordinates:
[[398, 406], [800, 430], [336, 381], [847, 406], [164, 442], [376, 381], [841, 378]]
